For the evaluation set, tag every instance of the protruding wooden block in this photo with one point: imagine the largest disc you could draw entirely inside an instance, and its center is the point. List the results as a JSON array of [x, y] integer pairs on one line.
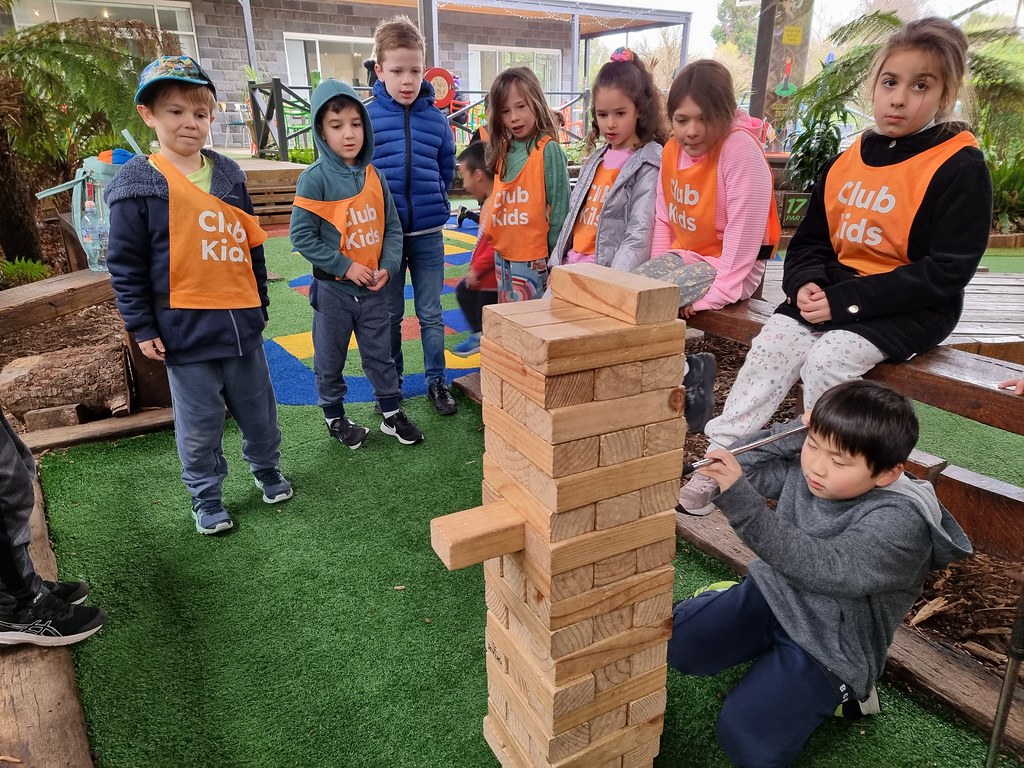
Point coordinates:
[[617, 381], [623, 295], [474, 535]]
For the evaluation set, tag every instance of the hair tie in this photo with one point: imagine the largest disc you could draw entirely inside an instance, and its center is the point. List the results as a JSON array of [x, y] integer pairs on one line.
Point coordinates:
[[622, 54]]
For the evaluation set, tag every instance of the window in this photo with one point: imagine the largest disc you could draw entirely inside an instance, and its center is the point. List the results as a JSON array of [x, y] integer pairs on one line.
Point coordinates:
[[485, 62], [172, 16], [312, 59]]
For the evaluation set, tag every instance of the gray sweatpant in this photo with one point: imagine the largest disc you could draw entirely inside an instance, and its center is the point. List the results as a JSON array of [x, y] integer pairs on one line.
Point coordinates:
[[19, 581], [336, 316]]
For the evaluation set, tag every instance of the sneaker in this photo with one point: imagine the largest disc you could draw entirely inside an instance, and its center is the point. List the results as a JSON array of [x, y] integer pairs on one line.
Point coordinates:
[[49, 621], [469, 346], [72, 592], [718, 586], [441, 398], [398, 425], [855, 709], [695, 496], [210, 516], [273, 484], [348, 432], [699, 383], [463, 213]]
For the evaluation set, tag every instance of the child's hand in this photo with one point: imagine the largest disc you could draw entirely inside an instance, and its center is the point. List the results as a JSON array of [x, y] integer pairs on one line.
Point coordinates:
[[381, 278], [813, 304], [539, 265], [1017, 385], [153, 349], [360, 274], [724, 470], [687, 312], [473, 280]]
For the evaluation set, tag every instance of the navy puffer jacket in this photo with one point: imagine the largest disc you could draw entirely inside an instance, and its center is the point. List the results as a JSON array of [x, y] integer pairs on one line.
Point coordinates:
[[416, 153]]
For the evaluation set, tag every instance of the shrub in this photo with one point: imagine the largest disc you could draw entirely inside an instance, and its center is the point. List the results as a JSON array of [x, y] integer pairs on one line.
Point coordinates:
[[302, 155], [1006, 165], [21, 271]]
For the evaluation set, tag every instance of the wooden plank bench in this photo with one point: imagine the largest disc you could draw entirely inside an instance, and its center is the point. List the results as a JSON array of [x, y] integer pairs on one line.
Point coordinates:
[[44, 300]]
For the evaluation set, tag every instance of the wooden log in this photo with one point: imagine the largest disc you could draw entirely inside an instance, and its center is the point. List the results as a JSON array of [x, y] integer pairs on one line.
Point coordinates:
[[474, 535], [94, 376], [625, 296], [28, 305]]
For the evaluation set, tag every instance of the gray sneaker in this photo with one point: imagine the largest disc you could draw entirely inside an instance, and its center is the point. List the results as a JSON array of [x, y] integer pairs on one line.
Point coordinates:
[[211, 517], [273, 484], [695, 496]]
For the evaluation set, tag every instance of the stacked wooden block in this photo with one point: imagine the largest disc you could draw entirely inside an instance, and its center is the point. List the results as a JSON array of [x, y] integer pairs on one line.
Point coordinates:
[[584, 437]]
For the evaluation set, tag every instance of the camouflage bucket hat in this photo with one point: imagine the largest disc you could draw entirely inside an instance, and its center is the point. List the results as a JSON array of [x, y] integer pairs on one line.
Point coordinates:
[[183, 69]]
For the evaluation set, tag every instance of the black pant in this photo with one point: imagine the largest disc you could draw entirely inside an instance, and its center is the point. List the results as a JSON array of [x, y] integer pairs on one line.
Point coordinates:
[[472, 303], [18, 579]]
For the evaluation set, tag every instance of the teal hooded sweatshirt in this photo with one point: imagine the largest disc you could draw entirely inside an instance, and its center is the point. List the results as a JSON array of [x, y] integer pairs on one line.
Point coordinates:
[[331, 178]]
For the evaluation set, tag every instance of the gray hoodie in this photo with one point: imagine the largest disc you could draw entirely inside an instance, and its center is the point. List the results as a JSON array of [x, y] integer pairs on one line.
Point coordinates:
[[331, 178], [839, 575]]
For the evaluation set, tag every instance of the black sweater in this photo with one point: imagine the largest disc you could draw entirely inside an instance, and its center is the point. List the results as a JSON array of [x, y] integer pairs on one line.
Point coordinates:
[[914, 307]]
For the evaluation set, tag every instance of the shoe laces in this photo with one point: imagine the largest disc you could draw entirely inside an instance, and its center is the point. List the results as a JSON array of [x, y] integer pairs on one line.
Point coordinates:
[[270, 475], [702, 483]]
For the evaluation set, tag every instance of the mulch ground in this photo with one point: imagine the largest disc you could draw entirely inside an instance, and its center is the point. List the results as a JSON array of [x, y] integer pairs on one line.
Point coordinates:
[[968, 607]]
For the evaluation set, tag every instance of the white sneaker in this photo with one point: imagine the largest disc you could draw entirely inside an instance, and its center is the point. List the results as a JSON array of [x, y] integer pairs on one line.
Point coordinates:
[[695, 496]]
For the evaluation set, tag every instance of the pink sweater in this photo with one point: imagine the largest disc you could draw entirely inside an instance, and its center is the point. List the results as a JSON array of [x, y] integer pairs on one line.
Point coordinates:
[[741, 207]]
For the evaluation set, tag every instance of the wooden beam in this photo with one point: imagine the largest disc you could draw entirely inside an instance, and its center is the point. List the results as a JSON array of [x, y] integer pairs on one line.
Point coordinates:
[[105, 429], [634, 299], [43, 300], [474, 535]]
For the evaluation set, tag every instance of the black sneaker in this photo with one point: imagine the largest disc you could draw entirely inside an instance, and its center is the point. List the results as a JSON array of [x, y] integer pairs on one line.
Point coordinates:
[[73, 592], [49, 621], [379, 411], [463, 213], [441, 398], [348, 432], [699, 383], [398, 425]]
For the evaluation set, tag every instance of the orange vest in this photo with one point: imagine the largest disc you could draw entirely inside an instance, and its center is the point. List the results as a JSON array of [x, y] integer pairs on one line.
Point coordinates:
[[359, 219], [584, 234], [518, 226], [691, 197], [210, 263], [870, 210], [485, 134]]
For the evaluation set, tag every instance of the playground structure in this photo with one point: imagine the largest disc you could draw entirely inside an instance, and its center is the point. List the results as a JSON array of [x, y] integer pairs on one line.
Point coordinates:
[[583, 450]]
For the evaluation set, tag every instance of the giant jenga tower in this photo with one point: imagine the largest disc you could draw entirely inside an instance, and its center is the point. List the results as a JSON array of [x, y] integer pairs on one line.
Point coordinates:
[[584, 437]]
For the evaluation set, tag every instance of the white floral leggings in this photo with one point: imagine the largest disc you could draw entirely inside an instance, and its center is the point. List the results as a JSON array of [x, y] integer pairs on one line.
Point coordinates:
[[784, 351]]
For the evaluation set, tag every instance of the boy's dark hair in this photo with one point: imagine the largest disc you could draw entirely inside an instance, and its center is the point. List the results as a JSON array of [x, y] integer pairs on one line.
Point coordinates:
[[867, 419], [196, 95], [334, 104], [475, 158]]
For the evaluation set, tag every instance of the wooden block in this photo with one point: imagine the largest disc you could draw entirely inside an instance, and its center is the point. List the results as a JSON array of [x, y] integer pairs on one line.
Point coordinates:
[[628, 297], [495, 699], [603, 599], [617, 381], [490, 387], [624, 445], [618, 510], [614, 745], [613, 622], [664, 436], [554, 460], [500, 741], [646, 661], [659, 497], [474, 535], [57, 416], [561, 494], [615, 568], [489, 494], [652, 610], [514, 576], [650, 706], [575, 522], [656, 555], [593, 547], [546, 391], [512, 462], [615, 648], [608, 722], [572, 582], [662, 372], [643, 756], [494, 603], [612, 675], [613, 763], [572, 638]]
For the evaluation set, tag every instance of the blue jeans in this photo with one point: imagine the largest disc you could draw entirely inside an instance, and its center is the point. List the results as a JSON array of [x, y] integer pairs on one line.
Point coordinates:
[[784, 696], [423, 258]]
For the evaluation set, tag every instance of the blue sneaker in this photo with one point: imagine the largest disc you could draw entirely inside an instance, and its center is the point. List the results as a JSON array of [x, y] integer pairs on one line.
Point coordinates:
[[273, 484], [210, 516], [469, 346]]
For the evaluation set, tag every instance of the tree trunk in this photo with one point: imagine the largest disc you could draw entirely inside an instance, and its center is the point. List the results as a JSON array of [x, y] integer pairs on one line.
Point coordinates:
[[19, 235], [93, 376]]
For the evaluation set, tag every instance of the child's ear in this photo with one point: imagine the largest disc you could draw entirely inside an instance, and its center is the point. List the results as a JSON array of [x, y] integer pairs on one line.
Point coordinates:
[[146, 114], [379, 71], [888, 476]]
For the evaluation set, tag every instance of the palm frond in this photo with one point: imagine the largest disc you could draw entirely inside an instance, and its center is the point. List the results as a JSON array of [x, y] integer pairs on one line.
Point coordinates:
[[871, 27]]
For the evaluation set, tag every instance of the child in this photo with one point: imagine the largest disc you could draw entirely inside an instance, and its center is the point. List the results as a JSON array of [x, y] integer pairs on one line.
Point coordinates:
[[416, 153], [531, 183], [32, 610], [345, 223], [839, 563], [611, 209], [895, 228], [479, 287], [186, 263], [715, 204]]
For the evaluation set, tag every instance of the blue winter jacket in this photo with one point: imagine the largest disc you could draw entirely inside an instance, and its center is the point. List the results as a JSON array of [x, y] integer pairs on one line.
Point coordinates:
[[416, 153], [139, 260]]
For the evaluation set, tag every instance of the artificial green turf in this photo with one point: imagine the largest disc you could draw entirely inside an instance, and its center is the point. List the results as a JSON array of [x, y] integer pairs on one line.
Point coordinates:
[[1004, 259], [286, 642]]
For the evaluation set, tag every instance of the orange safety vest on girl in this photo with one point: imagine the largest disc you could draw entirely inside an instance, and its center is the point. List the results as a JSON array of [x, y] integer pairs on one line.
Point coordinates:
[[210, 242], [518, 225], [584, 234], [691, 195], [359, 219], [870, 210]]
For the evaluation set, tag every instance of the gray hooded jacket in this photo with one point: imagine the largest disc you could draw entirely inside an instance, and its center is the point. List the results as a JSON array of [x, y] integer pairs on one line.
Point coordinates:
[[626, 224], [839, 575]]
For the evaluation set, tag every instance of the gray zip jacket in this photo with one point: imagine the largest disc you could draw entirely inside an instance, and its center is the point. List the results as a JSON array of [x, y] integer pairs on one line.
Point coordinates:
[[839, 575], [626, 224]]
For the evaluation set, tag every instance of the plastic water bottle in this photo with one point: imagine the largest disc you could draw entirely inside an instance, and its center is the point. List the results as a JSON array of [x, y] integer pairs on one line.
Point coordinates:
[[95, 237]]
